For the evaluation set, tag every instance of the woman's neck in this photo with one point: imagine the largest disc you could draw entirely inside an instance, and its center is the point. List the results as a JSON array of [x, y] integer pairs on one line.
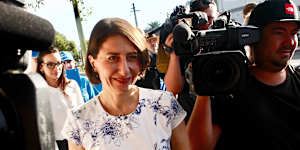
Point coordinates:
[[52, 83], [115, 103]]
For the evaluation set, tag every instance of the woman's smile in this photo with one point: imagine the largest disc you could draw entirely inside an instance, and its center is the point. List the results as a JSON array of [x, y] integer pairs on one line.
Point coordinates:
[[123, 80]]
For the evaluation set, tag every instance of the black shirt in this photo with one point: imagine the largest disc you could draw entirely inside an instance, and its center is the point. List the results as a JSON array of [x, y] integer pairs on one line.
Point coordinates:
[[152, 77], [260, 116], [186, 97]]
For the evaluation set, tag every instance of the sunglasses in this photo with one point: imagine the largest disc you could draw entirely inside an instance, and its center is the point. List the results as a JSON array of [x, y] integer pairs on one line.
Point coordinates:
[[52, 65]]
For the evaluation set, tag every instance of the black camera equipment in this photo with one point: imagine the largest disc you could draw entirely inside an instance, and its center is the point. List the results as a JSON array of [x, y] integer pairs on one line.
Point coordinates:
[[198, 19], [179, 15], [200, 5], [224, 20], [23, 122], [219, 63]]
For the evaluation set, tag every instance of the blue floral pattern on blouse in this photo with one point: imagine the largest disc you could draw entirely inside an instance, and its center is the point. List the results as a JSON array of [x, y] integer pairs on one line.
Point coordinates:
[[108, 129]]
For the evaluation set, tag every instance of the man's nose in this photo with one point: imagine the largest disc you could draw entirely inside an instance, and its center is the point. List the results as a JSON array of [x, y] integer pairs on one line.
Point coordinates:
[[291, 41]]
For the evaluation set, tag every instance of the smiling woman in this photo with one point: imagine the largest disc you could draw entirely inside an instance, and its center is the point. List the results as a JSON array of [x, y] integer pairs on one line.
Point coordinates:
[[123, 116]]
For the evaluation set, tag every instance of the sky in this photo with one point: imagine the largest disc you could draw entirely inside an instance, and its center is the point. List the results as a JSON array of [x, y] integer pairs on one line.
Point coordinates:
[[61, 16]]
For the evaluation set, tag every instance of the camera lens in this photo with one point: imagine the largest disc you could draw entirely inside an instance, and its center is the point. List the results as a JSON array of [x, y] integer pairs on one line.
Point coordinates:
[[221, 73], [217, 73]]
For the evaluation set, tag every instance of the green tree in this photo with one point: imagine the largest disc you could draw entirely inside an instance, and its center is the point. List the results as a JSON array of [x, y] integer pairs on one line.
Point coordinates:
[[63, 44], [81, 12], [152, 25], [34, 3], [84, 10]]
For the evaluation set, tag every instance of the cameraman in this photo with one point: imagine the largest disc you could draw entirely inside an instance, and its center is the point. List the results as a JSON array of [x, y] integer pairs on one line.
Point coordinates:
[[207, 6], [264, 115], [177, 65]]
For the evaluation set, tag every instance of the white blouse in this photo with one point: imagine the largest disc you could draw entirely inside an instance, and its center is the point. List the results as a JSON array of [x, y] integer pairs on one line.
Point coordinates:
[[149, 127], [60, 104]]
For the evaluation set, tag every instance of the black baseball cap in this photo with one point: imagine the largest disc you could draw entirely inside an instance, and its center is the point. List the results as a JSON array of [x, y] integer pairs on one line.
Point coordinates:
[[274, 11]]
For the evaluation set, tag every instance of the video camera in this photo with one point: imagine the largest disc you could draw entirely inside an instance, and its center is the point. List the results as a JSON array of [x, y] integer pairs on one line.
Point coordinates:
[[219, 63], [194, 19], [179, 15], [25, 122]]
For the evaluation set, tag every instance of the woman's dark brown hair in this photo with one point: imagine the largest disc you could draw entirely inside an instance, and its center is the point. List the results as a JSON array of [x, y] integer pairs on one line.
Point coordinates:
[[110, 27], [63, 82]]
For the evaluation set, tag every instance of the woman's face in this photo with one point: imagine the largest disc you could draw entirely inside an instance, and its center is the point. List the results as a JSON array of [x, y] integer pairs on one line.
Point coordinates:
[[116, 63], [52, 66]]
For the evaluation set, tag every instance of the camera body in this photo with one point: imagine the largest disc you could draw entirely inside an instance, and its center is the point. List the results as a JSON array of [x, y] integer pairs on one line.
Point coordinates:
[[219, 61], [25, 119], [192, 42], [179, 15]]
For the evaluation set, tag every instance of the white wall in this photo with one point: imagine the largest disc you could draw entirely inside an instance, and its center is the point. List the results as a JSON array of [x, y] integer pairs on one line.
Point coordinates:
[[237, 6]]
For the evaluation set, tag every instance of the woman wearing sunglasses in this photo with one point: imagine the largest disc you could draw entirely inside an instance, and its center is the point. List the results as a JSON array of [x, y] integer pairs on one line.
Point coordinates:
[[64, 93]]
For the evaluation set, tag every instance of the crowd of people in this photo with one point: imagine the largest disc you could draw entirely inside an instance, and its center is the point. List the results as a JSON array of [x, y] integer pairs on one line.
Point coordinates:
[[139, 106]]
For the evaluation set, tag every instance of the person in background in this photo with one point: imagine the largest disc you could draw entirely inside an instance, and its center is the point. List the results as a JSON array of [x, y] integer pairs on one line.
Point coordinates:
[[72, 72], [32, 64], [65, 93], [152, 79], [264, 114], [246, 14], [97, 88], [153, 41], [123, 116], [174, 79], [209, 7], [248, 8]]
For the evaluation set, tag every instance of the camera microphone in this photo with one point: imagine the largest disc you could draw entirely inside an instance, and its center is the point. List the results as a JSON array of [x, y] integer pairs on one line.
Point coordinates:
[[25, 121], [23, 30], [183, 39], [199, 19], [182, 32]]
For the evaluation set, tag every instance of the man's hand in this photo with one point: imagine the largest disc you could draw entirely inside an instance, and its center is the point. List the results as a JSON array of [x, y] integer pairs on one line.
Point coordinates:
[[169, 40]]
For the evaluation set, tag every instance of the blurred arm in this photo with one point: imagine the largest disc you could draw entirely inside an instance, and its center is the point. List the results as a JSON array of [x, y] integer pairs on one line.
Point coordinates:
[[179, 139], [174, 80], [203, 134], [73, 146]]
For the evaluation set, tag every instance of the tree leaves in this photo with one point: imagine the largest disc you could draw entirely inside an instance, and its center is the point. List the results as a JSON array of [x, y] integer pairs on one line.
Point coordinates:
[[63, 44]]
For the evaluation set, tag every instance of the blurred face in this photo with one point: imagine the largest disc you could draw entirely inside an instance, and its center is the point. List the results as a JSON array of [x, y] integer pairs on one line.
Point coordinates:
[[69, 64], [277, 44], [153, 42], [212, 14], [52, 66], [116, 63]]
